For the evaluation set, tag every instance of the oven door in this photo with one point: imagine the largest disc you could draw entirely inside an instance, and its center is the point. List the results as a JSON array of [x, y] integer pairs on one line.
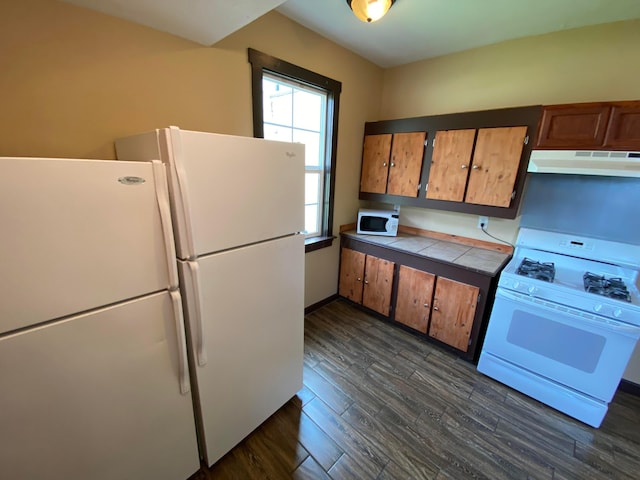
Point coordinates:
[[579, 350]]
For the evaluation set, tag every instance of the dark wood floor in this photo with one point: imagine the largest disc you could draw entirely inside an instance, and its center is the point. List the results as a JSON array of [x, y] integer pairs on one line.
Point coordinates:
[[378, 403]]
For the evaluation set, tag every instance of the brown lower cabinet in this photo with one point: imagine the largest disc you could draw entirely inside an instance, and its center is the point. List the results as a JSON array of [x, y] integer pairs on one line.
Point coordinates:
[[415, 296], [445, 312], [366, 280], [454, 308], [441, 302]]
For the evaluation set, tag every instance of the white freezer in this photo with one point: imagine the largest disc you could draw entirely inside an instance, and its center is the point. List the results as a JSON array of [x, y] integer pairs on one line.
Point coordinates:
[[79, 234], [226, 190], [245, 314], [98, 396]]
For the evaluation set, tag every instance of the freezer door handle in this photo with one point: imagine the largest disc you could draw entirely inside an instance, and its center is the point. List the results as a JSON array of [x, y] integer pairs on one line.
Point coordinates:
[[181, 176], [201, 353], [183, 372], [162, 197]]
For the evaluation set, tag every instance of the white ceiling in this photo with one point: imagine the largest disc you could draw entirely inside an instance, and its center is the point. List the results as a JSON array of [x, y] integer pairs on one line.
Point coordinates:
[[412, 30], [202, 21]]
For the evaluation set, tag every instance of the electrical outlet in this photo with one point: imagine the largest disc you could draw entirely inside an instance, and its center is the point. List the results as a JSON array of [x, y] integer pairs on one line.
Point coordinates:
[[483, 222]]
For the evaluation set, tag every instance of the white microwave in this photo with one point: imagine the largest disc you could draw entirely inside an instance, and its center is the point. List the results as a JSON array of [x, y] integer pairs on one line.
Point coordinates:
[[377, 222]]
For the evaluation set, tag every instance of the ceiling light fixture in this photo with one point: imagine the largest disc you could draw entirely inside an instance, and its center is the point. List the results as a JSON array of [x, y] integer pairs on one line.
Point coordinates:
[[370, 10]]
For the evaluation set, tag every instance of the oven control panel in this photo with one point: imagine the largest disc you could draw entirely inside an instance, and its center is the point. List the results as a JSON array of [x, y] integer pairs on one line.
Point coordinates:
[[580, 302]]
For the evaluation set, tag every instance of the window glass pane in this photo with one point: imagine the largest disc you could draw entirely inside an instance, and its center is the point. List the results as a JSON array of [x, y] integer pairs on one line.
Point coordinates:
[[312, 142], [277, 101], [276, 132], [307, 110], [311, 220], [296, 112], [311, 188]]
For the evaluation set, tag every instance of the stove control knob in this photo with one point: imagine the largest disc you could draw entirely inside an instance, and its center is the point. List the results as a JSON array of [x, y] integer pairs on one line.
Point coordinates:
[[617, 313], [516, 285], [533, 289], [597, 307]]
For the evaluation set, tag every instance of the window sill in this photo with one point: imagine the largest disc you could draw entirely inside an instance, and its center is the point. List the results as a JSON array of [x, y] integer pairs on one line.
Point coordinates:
[[316, 243]]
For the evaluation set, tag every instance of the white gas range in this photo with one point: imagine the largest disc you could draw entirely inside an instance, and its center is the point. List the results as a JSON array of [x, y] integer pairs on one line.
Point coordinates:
[[565, 321]]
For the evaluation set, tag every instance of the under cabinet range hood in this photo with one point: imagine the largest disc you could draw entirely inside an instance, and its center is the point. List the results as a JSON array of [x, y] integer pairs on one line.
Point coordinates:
[[585, 162]]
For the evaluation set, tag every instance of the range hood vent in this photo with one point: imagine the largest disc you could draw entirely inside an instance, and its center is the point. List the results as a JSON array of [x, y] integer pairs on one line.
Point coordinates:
[[581, 162]]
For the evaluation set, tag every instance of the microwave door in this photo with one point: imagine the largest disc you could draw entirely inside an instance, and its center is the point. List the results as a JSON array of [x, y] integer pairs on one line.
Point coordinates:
[[374, 224]]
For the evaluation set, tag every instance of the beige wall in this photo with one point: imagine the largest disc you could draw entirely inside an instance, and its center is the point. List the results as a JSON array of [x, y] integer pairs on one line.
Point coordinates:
[[73, 80], [585, 64]]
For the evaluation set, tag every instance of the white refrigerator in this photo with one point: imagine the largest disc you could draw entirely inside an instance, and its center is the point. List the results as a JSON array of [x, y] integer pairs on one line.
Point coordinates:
[[93, 369], [238, 210]]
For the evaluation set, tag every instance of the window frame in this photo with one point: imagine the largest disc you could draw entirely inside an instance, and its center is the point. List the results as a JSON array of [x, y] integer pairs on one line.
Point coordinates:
[[261, 63]]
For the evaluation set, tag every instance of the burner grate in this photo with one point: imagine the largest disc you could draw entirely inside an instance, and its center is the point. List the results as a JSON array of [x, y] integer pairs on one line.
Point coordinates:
[[608, 287], [545, 271]]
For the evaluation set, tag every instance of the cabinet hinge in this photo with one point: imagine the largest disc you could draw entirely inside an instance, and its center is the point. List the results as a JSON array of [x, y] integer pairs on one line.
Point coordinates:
[[433, 144], [479, 296], [426, 143], [470, 341], [419, 185], [513, 195], [526, 140], [426, 185]]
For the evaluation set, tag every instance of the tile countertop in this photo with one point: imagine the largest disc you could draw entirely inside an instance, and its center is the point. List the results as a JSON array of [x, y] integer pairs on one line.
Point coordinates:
[[472, 258]]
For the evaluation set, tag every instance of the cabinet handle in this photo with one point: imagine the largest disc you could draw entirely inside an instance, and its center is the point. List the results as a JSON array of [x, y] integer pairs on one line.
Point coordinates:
[[359, 279], [463, 166], [366, 282], [436, 308], [393, 164], [384, 164], [426, 305], [476, 167]]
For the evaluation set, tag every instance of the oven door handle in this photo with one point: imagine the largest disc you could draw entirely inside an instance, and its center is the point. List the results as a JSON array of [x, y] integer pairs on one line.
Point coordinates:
[[593, 320]]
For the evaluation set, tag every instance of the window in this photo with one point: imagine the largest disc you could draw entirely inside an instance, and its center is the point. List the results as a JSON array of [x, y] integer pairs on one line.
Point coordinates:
[[296, 105]]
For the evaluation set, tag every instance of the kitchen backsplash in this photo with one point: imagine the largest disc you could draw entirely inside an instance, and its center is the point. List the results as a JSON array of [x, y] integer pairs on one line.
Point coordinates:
[[599, 207]]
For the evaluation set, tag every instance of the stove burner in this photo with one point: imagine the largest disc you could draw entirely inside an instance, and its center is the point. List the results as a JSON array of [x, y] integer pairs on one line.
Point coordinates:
[[545, 271], [609, 287]]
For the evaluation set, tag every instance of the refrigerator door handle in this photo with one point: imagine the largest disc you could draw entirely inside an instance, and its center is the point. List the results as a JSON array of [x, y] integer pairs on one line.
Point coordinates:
[[162, 197], [201, 352], [183, 372], [181, 175]]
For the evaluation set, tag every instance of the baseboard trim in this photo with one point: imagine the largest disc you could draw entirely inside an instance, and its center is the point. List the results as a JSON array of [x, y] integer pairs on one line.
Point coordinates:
[[629, 387], [320, 304]]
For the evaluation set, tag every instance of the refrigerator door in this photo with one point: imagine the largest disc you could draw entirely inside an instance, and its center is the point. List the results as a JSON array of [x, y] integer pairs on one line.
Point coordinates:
[[80, 234], [252, 320], [97, 396], [226, 190]]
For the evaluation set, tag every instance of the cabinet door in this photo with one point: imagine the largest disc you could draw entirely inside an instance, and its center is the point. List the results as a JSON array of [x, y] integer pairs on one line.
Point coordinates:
[[573, 126], [378, 281], [624, 128], [450, 164], [454, 308], [351, 274], [375, 163], [406, 163], [415, 292], [495, 165]]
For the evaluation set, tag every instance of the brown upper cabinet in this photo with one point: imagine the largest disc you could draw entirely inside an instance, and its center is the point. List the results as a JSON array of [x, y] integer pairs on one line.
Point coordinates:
[[450, 164], [484, 175], [391, 163], [593, 126], [477, 165]]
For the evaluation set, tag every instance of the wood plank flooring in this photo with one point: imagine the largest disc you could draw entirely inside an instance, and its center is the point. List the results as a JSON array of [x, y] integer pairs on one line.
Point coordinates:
[[379, 403]]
